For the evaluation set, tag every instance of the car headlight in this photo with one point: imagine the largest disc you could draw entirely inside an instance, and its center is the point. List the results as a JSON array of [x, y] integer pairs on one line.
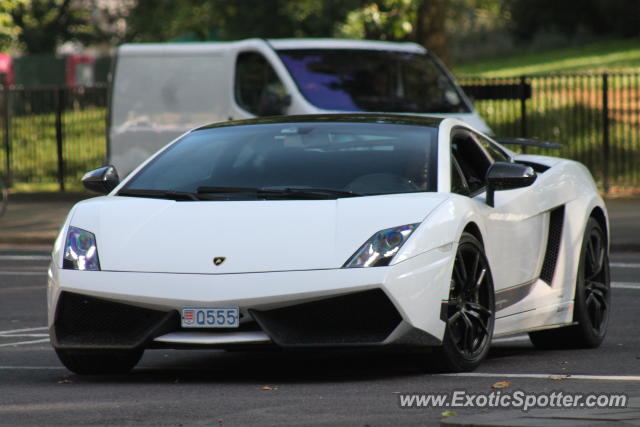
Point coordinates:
[[381, 247], [80, 250]]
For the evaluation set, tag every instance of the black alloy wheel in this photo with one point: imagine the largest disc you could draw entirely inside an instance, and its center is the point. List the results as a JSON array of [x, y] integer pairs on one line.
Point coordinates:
[[470, 309], [596, 284]]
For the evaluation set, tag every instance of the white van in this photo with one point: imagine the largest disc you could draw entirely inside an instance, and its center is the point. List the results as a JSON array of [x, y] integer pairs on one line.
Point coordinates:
[[160, 91]]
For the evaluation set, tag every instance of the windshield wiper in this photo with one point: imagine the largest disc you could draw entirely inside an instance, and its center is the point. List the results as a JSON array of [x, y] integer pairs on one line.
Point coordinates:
[[278, 192], [159, 194], [316, 193]]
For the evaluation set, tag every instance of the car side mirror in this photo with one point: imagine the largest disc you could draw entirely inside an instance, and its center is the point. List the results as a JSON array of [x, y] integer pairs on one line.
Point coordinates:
[[507, 176], [101, 180]]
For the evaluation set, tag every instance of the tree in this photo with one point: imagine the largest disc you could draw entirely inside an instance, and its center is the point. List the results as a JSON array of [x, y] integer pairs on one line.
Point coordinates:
[[43, 24], [431, 28], [163, 20], [421, 21]]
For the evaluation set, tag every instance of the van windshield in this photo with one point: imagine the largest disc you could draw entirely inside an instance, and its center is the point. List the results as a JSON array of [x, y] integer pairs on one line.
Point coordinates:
[[366, 80]]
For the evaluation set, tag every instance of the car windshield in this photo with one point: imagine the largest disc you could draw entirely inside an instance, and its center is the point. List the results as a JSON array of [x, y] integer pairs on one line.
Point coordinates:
[[365, 80], [292, 161]]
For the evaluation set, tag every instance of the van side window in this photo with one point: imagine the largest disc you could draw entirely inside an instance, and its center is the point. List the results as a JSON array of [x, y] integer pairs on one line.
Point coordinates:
[[257, 87]]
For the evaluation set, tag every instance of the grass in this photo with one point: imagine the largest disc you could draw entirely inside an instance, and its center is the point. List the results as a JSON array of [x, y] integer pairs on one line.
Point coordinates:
[[615, 55], [34, 155]]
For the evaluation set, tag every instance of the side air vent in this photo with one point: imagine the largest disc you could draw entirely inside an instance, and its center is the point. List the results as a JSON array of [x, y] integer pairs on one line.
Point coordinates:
[[556, 219]]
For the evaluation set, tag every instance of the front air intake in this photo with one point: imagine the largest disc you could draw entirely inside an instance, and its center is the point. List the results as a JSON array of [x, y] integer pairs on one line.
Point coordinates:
[[361, 318], [88, 322]]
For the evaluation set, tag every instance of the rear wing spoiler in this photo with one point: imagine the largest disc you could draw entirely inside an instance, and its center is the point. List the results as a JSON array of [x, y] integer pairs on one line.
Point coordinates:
[[529, 143]]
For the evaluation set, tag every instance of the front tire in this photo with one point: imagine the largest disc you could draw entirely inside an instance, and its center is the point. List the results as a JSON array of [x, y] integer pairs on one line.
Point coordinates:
[[592, 298], [470, 310], [95, 362]]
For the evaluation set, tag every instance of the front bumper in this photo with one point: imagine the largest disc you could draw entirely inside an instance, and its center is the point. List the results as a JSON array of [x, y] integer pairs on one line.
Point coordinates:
[[398, 305]]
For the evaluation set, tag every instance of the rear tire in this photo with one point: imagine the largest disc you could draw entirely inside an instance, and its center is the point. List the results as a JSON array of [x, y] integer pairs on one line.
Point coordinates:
[[591, 301], [94, 362], [470, 309]]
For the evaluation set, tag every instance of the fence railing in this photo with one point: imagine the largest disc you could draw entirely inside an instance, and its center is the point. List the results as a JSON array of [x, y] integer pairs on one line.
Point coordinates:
[[595, 116], [55, 134], [52, 134]]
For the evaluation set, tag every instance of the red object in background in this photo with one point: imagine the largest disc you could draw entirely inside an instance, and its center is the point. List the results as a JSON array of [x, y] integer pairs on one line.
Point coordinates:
[[79, 70], [6, 67]]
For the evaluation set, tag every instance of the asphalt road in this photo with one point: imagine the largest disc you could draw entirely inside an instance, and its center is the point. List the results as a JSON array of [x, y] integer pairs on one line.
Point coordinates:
[[220, 388]]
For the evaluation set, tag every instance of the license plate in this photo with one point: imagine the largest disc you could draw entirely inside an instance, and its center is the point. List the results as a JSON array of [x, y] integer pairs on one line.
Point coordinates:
[[210, 317]]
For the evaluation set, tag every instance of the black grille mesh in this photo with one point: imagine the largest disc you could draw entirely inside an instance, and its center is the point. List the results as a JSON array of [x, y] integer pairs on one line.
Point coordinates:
[[86, 321], [556, 218], [361, 318]]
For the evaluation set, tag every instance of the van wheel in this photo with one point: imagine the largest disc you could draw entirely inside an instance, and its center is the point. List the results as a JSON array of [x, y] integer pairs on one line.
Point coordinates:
[[592, 298], [470, 309], [94, 362]]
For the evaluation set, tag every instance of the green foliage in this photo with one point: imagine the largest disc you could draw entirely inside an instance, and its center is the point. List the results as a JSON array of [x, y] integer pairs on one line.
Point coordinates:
[[33, 143], [611, 55], [163, 20], [382, 20], [41, 25], [8, 31], [600, 17]]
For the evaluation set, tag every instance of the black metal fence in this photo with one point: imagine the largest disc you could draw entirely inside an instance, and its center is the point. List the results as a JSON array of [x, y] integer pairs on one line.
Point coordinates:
[[52, 134], [55, 134], [595, 116]]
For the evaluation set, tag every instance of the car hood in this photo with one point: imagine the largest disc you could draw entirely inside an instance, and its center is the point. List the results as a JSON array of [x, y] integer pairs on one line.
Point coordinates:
[[152, 235]]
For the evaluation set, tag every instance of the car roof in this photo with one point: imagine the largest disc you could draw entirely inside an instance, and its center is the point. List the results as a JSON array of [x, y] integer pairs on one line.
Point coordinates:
[[399, 119]]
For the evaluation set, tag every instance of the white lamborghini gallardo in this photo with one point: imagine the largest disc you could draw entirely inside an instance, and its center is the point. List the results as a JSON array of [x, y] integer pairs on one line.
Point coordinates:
[[332, 231]]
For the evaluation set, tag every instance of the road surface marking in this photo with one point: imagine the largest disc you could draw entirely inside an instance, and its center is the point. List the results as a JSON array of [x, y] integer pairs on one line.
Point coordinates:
[[547, 376], [24, 335], [36, 368], [624, 264], [37, 328], [25, 258], [509, 339], [23, 273], [625, 285], [11, 344]]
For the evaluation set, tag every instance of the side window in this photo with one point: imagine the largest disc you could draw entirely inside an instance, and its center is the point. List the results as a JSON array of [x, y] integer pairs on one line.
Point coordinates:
[[494, 151], [473, 159], [257, 87], [458, 182]]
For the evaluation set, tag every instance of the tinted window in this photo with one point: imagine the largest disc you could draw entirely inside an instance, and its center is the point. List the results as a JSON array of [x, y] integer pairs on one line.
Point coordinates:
[[458, 182], [472, 158], [361, 158], [494, 151], [257, 86], [365, 80]]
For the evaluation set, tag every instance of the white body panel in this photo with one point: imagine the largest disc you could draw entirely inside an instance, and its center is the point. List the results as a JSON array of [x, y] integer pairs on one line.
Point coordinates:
[[158, 253]]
